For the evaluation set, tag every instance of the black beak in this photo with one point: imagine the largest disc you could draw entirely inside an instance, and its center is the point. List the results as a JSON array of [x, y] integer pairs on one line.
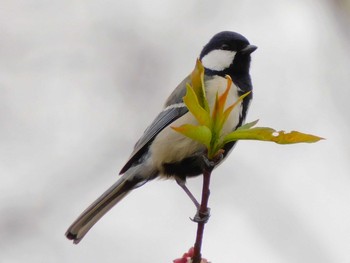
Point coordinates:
[[248, 49]]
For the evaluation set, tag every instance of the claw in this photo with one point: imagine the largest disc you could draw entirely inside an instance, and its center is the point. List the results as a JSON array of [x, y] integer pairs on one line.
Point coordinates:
[[201, 217], [219, 156], [211, 163]]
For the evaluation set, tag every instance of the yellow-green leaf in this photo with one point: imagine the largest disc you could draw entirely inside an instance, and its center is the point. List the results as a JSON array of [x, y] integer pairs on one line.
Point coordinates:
[[197, 79], [209, 130], [198, 133], [229, 109], [191, 101], [223, 96], [219, 106], [269, 134], [215, 114], [248, 125], [220, 101]]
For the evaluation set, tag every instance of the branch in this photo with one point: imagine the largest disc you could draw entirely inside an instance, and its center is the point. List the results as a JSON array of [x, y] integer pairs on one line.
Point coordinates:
[[203, 215]]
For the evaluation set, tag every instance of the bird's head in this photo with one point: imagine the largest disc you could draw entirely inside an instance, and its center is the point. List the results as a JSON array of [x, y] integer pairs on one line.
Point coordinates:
[[227, 53]]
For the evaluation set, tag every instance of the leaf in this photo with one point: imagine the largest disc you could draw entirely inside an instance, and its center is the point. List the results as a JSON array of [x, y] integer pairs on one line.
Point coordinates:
[[197, 79], [247, 125], [198, 133], [191, 101], [240, 99], [296, 137], [223, 96], [214, 116], [220, 101], [218, 116], [209, 130], [269, 134], [229, 109]]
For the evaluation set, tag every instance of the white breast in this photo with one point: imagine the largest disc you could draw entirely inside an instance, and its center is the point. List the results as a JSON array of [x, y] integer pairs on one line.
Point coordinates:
[[171, 146]]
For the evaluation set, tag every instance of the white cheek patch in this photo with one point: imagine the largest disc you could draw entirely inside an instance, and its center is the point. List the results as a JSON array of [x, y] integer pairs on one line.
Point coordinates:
[[218, 59]]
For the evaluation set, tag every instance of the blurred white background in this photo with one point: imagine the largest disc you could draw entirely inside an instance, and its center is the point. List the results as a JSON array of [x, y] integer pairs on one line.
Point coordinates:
[[79, 82]]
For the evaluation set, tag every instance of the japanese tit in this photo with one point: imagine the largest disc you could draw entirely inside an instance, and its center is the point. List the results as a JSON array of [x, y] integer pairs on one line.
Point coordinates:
[[163, 152]]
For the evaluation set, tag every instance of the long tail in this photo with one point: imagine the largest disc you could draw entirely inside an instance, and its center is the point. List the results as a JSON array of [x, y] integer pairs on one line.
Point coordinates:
[[102, 205]]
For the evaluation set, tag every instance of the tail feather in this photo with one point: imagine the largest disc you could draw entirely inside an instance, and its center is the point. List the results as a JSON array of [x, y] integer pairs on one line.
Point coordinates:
[[101, 206]]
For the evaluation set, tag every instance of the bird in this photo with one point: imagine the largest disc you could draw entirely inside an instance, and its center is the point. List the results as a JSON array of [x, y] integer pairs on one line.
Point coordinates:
[[161, 151]]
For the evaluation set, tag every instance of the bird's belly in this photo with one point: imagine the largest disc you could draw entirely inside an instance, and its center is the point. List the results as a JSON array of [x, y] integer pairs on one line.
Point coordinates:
[[170, 146]]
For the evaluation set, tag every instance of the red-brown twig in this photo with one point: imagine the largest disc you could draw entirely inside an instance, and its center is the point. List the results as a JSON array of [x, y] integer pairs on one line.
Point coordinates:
[[202, 213]]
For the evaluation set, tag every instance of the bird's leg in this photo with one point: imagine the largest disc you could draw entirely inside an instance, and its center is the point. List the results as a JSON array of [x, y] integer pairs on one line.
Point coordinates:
[[209, 165], [182, 184], [199, 217]]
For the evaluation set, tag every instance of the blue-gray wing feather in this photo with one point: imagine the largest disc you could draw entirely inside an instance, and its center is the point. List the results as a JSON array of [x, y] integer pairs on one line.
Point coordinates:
[[167, 116]]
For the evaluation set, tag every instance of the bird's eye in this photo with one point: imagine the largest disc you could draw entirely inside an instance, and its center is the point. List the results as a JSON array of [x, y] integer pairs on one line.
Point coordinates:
[[225, 47]]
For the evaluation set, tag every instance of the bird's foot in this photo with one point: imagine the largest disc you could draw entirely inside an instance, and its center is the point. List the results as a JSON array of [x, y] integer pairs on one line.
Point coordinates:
[[201, 217], [211, 163]]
